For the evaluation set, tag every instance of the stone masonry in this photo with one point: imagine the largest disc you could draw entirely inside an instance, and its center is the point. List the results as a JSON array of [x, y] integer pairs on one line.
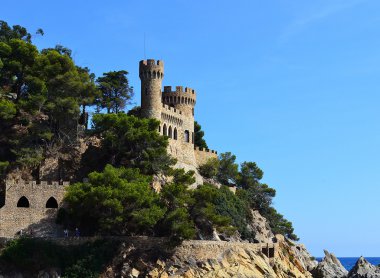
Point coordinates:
[[174, 108], [31, 206]]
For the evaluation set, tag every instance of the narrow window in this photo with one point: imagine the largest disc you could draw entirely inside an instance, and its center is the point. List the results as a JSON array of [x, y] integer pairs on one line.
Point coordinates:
[[159, 129], [170, 132], [187, 136], [165, 130], [23, 202], [175, 134], [52, 203]]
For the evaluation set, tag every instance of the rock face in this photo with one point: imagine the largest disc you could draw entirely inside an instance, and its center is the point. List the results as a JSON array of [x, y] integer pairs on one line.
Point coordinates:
[[308, 262], [363, 269], [260, 226], [210, 259], [329, 267]]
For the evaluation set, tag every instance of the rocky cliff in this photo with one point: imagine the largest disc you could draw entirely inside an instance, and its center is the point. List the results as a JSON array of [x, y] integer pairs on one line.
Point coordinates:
[[213, 259]]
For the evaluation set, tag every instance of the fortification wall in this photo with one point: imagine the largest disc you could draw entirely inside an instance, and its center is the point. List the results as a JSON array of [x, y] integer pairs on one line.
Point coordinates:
[[202, 155], [31, 206]]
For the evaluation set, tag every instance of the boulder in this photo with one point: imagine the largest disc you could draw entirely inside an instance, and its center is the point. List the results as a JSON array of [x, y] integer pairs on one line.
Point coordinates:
[[363, 269], [329, 267]]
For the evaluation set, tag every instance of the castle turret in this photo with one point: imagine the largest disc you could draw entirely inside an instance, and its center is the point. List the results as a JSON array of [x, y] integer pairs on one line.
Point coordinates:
[[181, 99], [151, 75]]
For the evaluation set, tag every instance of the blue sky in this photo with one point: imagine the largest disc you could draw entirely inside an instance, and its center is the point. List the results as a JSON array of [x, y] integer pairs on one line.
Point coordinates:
[[292, 85]]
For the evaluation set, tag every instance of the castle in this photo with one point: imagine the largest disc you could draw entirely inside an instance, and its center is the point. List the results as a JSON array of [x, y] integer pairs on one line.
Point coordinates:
[[175, 111], [32, 206]]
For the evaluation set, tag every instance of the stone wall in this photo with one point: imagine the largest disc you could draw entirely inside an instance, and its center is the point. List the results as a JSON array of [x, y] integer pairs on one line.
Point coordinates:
[[31, 206], [202, 155]]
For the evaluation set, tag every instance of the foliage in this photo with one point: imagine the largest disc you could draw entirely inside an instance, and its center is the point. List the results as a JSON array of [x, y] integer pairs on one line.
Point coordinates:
[[115, 91], [258, 196], [209, 170], [279, 224], [85, 260], [207, 210], [116, 201], [40, 97], [7, 109], [250, 174], [132, 142], [230, 205], [228, 169], [3, 167], [135, 111], [176, 197], [199, 141]]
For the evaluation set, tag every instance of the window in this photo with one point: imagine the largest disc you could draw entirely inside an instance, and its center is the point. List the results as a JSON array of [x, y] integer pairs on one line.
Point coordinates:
[[52, 203], [23, 202], [187, 136], [175, 133], [165, 131], [170, 132]]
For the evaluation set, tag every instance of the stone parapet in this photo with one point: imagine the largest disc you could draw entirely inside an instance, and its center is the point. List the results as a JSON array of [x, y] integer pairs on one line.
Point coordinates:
[[202, 155]]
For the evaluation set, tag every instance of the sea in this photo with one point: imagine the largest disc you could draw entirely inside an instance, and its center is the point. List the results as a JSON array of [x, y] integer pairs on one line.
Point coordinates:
[[349, 262]]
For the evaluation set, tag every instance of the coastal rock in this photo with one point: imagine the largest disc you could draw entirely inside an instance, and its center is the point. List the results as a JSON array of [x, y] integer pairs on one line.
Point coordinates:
[[363, 269], [308, 262], [329, 267], [260, 227]]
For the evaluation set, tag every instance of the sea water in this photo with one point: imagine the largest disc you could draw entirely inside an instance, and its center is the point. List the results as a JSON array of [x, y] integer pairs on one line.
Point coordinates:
[[349, 262]]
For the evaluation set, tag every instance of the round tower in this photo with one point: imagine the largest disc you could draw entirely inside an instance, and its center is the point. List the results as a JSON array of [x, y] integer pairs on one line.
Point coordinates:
[[151, 73]]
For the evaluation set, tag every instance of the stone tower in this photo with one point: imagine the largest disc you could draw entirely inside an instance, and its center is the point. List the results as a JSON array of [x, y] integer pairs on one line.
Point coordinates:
[[151, 73], [174, 108]]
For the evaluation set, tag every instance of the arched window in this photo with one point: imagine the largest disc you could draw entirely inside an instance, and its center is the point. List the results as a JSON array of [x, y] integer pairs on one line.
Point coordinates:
[[159, 129], [170, 132], [187, 136], [182, 100], [165, 130], [52, 203], [154, 74], [23, 202], [175, 134]]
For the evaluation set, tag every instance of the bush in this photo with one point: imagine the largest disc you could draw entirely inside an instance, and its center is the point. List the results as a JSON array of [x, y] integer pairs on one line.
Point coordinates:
[[209, 170], [86, 260]]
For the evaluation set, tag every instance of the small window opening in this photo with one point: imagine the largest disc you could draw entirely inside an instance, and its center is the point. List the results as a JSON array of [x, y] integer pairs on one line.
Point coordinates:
[[52, 203], [23, 202]]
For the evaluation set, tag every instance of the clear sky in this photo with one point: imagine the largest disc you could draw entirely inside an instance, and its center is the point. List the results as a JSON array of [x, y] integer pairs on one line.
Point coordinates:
[[293, 85]]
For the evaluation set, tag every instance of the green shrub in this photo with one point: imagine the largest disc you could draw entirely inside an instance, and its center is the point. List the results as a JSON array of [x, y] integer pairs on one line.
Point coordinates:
[[209, 170]]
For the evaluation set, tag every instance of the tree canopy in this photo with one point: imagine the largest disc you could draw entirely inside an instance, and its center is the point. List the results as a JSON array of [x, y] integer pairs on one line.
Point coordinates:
[[199, 141], [115, 91], [132, 142]]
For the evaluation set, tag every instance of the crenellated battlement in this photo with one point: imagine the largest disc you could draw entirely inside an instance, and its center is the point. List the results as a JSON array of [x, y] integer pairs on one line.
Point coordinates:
[[151, 69], [205, 150], [16, 184], [179, 96], [152, 62], [171, 109], [179, 89]]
